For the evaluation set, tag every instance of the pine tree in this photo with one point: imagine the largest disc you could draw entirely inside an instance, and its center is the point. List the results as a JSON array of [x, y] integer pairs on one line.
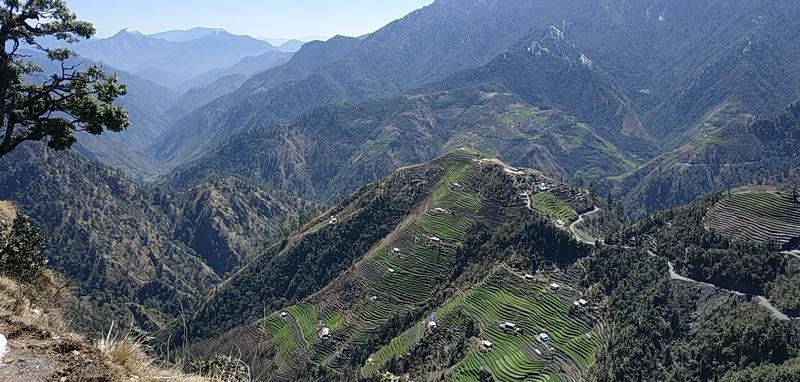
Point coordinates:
[[71, 99]]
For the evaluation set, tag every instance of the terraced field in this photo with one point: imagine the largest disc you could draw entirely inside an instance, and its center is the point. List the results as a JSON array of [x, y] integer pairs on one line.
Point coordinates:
[[553, 206], [400, 273], [506, 296], [756, 216]]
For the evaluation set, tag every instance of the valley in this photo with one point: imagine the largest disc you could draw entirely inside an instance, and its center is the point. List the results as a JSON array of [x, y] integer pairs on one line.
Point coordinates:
[[515, 190]]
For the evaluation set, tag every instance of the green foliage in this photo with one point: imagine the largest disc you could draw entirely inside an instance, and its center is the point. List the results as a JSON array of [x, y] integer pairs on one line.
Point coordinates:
[[21, 245], [639, 308], [680, 235], [785, 293], [789, 371], [70, 100], [736, 336]]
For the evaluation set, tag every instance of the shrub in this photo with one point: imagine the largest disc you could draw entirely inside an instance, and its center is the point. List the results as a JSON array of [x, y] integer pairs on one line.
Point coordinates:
[[21, 255]]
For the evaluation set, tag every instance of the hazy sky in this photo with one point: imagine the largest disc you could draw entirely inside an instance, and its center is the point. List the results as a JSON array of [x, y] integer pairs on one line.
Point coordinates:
[[258, 18]]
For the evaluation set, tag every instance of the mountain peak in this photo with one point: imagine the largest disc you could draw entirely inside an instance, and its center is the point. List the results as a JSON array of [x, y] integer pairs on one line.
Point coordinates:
[[130, 31]]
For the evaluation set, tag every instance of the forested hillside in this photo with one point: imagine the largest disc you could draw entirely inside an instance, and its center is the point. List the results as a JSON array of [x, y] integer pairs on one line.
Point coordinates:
[[135, 253], [332, 150]]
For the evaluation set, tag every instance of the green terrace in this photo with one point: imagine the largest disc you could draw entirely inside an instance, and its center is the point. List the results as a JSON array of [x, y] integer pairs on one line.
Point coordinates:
[[553, 206], [530, 303], [396, 276], [756, 216]]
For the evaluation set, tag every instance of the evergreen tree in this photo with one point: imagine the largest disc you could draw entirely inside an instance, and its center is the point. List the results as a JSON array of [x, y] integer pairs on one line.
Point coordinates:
[[70, 99]]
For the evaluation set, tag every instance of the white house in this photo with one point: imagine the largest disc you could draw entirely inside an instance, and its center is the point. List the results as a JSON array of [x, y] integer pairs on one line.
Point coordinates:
[[544, 337], [325, 333], [555, 287]]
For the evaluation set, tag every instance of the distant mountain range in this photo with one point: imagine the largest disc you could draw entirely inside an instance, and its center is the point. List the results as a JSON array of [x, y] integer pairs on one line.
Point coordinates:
[[549, 54], [182, 59]]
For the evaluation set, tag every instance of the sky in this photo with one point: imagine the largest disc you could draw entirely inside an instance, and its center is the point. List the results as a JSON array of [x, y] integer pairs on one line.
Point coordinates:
[[280, 19]]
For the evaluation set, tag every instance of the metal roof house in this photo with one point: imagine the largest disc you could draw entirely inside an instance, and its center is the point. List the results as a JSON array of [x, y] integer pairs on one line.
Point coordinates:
[[544, 337]]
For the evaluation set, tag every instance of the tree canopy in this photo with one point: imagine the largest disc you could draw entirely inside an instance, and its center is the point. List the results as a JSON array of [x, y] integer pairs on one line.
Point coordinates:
[[76, 97]]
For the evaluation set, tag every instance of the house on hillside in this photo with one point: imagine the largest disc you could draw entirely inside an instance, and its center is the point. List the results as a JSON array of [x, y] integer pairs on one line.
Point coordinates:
[[396, 250], [325, 333], [435, 239], [555, 287], [544, 337], [333, 220], [432, 323], [486, 346], [510, 327]]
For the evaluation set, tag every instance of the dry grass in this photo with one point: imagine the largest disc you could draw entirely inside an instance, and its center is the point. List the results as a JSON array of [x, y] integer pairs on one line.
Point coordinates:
[[128, 354], [8, 212], [37, 306]]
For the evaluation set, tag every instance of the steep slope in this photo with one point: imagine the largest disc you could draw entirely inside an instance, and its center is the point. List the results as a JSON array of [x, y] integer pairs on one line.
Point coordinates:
[[395, 252], [247, 67], [196, 97], [137, 254], [730, 148], [630, 43], [758, 216], [425, 45], [150, 111], [332, 150]]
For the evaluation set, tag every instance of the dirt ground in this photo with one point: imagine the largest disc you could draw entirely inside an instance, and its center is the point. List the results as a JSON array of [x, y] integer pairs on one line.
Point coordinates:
[[36, 355]]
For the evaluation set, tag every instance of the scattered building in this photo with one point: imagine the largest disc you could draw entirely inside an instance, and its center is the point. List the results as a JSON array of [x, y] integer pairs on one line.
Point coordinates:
[[583, 303], [374, 298], [555, 287], [333, 220], [432, 322], [325, 333], [528, 277], [543, 186], [435, 239], [439, 210], [396, 250], [544, 337], [560, 223], [284, 314], [457, 185], [486, 346], [391, 271], [510, 327]]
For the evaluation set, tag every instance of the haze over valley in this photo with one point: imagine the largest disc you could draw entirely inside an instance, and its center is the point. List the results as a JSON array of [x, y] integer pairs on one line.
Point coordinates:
[[475, 190]]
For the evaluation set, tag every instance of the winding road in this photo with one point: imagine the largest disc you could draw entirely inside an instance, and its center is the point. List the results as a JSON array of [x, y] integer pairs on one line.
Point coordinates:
[[795, 254], [761, 300], [580, 220]]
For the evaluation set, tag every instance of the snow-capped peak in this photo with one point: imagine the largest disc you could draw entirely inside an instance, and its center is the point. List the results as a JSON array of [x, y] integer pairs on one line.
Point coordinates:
[[131, 31]]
